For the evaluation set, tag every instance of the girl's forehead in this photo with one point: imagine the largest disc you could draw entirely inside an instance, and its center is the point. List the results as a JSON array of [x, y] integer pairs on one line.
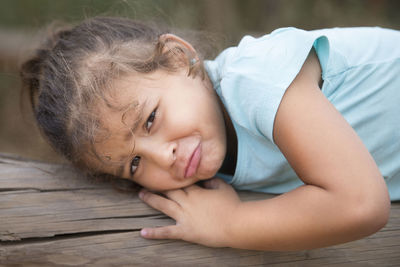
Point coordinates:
[[122, 107], [119, 115], [121, 98]]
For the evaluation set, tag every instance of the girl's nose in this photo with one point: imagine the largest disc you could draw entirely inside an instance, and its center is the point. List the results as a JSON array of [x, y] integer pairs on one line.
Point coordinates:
[[162, 154]]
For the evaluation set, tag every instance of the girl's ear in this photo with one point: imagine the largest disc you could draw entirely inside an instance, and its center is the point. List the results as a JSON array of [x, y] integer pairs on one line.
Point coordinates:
[[171, 42]]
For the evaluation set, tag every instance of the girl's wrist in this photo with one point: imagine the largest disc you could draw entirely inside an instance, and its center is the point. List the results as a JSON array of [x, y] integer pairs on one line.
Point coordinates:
[[235, 226]]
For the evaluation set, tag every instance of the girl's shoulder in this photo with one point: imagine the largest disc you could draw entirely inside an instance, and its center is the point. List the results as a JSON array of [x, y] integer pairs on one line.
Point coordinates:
[[273, 59], [280, 54]]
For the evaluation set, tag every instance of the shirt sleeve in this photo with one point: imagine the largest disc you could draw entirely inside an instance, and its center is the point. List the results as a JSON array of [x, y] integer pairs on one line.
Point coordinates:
[[260, 70]]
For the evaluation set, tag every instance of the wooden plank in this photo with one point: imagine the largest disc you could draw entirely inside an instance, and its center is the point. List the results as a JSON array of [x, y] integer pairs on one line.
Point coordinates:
[[19, 174], [52, 215], [72, 212], [129, 248]]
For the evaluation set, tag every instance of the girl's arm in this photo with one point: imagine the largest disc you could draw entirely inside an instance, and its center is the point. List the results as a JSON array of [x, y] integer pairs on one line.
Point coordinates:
[[344, 197]]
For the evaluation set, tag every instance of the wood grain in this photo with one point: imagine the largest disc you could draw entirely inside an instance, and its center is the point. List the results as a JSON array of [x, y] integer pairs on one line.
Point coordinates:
[[53, 216]]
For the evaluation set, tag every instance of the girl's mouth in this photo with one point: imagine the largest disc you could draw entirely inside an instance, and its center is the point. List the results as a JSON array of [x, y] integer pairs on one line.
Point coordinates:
[[193, 161]]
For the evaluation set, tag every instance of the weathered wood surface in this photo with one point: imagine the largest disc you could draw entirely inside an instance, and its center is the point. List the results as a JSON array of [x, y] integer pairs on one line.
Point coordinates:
[[50, 215]]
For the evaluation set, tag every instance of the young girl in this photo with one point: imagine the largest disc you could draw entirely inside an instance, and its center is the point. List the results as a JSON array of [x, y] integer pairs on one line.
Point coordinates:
[[310, 114]]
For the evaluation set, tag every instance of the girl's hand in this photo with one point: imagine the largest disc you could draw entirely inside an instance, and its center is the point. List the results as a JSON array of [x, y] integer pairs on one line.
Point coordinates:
[[202, 215]]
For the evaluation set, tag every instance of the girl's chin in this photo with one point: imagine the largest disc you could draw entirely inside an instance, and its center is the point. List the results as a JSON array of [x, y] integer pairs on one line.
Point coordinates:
[[209, 169]]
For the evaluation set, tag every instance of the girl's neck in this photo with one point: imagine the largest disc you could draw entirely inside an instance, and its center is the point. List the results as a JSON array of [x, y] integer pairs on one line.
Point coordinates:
[[229, 164]]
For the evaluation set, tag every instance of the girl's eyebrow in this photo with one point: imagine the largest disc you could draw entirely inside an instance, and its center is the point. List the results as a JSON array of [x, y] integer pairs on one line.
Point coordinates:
[[136, 123]]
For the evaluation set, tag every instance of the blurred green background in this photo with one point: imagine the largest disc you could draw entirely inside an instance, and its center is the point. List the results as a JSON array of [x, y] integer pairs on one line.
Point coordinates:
[[227, 19]]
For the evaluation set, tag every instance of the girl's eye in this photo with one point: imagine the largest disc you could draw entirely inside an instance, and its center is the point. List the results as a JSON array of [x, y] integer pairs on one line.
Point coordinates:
[[150, 120], [135, 164]]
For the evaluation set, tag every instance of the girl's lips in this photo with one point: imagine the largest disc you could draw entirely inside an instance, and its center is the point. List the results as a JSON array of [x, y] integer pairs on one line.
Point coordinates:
[[193, 161]]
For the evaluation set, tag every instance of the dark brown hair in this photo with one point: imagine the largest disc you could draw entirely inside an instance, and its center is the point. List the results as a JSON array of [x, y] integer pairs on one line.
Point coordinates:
[[74, 68]]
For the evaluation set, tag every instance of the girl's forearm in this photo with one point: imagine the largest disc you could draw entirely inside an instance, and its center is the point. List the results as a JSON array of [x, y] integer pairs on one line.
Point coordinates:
[[305, 218]]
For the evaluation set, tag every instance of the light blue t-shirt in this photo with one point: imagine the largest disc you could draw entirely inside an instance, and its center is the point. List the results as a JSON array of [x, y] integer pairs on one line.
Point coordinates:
[[361, 78]]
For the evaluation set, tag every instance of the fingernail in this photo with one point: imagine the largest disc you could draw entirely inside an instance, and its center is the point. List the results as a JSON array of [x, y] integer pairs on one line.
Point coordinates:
[[141, 194], [143, 232]]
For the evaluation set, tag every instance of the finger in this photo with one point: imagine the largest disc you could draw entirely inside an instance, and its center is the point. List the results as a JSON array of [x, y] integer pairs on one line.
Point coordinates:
[[169, 207], [165, 232], [176, 195]]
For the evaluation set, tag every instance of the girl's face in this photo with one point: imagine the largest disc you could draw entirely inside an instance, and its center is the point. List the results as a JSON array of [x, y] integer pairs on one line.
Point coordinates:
[[171, 136]]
